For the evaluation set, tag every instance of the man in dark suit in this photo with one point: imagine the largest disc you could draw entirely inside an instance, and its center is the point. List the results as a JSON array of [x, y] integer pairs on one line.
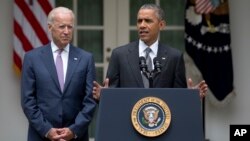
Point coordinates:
[[124, 69], [58, 102]]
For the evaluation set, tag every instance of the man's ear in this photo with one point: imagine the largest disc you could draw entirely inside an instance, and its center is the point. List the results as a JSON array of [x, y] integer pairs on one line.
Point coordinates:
[[49, 27], [162, 24]]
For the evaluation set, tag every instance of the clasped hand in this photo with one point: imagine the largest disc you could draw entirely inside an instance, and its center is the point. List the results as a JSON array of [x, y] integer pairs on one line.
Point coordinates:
[[60, 134]]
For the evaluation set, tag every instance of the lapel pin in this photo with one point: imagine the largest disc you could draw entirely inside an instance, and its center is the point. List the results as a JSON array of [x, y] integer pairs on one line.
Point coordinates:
[[163, 58], [75, 59]]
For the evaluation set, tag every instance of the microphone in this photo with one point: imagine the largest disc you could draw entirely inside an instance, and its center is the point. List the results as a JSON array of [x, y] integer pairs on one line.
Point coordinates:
[[157, 64], [143, 65]]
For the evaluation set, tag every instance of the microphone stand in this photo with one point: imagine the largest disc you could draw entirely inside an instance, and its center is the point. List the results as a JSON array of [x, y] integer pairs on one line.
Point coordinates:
[[150, 79], [150, 75], [155, 72]]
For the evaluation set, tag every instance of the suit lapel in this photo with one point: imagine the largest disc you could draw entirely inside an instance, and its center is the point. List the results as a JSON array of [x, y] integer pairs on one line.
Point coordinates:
[[48, 60], [133, 61], [73, 60], [162, 55]]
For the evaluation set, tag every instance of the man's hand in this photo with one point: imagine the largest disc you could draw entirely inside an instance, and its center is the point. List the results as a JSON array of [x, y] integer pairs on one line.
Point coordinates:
[[97, 88], [66, 134], [60, 134], [202, 86], [54, 134]]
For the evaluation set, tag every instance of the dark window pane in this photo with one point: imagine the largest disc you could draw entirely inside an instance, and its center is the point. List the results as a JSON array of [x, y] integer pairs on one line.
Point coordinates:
[[91, 41], [64, 3], [133, 36], [99, 74], [173, 38], [90, 12], [174, 10]]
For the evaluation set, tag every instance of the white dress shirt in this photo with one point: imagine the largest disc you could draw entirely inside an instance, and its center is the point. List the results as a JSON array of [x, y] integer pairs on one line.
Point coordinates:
[[64, 55], [152, 54]]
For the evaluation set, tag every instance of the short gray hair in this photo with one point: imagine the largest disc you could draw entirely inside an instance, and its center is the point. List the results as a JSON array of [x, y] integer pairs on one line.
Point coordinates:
[[56, 10], [159, 12]]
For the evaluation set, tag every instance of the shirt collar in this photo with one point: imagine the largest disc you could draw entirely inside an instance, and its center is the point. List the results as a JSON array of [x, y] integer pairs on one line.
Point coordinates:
[[55, 48], [143, 46]]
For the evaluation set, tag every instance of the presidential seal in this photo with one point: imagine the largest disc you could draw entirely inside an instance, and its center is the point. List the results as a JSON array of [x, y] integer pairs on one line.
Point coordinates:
[[151, 116]]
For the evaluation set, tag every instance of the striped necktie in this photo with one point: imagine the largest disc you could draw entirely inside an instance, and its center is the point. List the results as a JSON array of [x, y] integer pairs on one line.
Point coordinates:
[[149, 65], [148, 59]]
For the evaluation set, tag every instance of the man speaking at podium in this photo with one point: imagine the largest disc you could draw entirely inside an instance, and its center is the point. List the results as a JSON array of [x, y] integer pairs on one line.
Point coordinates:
[[124, 70]]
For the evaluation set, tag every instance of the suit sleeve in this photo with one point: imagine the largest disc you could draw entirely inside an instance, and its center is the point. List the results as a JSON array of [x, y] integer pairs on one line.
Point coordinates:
[[113, 70], [29, 100], [180, 75], [85, 115]]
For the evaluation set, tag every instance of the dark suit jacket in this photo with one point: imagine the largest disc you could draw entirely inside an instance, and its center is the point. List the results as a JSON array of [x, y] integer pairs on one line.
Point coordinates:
[[124, 70], [43, 102]]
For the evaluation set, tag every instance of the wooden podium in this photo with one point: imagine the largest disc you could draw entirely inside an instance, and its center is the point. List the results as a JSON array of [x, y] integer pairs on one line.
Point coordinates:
[[114, 115]]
